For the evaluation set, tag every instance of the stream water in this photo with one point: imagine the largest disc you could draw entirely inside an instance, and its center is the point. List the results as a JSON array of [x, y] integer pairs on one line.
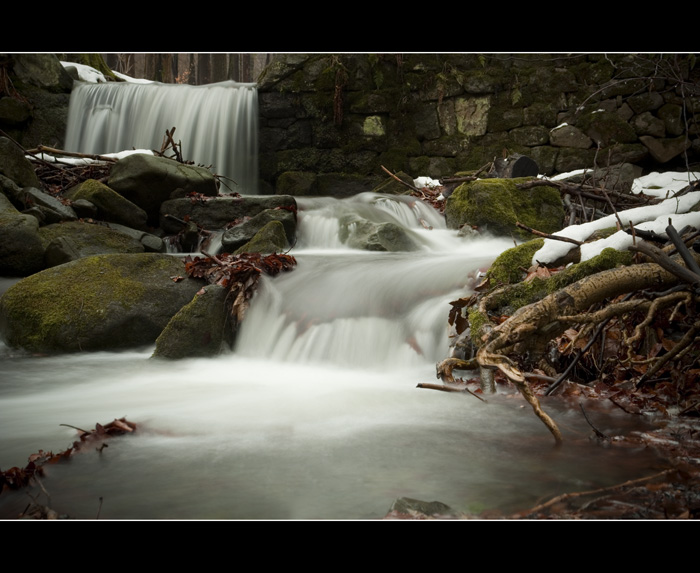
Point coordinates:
[[315, 414]]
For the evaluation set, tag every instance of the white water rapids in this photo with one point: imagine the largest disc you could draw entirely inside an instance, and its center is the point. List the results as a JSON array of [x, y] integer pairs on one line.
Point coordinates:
[[316, 414]]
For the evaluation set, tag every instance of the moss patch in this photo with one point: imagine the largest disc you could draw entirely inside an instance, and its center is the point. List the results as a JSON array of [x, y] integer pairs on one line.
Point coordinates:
[[508, 267]]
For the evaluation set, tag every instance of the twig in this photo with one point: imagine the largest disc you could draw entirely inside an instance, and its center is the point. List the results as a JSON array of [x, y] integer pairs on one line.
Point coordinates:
[[411, 187], [444, 388], [547, 235], [598, 433]]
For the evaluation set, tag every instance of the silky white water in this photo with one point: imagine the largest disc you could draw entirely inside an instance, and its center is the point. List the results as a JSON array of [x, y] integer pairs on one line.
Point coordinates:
[[315, 414], [216, 124]]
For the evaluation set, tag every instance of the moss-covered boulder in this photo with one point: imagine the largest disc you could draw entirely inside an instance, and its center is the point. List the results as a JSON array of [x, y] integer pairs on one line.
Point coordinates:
[[105, 302], [496, 205], [65, 242], [110, 205], [198, 329], [21, 247]]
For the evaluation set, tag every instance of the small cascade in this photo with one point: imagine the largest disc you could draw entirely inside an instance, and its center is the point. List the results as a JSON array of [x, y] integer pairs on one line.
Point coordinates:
[[366, 309], [217, 124]]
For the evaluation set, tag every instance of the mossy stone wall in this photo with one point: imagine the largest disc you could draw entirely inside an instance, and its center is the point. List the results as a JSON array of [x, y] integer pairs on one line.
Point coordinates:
[[440, 114]]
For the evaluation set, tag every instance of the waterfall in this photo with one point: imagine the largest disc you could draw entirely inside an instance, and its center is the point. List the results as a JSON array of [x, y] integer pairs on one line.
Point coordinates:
[[315, 414], [217, 124]]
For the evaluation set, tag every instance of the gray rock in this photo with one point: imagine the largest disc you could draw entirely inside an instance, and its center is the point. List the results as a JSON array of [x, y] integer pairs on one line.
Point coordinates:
[[69, 241], [269, 239], [358, 233], [148, 181], [15, 166], [52, 210]]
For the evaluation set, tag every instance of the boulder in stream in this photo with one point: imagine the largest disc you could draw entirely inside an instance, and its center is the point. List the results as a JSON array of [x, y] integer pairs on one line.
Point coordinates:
[[104, 302]]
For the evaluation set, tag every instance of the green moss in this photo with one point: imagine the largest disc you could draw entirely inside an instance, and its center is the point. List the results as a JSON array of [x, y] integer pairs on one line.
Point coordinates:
[[477, 321], [508, 267]]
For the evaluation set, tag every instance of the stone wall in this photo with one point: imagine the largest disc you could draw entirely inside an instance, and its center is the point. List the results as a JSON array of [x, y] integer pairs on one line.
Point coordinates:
[[329, 122]]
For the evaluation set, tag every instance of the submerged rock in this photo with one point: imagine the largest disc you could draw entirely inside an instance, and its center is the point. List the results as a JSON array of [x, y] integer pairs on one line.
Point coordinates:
[[104, 302]]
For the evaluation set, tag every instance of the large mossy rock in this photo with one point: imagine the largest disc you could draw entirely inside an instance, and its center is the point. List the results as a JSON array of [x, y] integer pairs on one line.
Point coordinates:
[[105, 302], [147, 181], [496, 205], [21, 247], [198, 329]]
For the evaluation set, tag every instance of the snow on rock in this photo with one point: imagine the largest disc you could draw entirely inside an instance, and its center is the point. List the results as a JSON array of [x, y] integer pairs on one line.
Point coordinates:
[[86, 73]]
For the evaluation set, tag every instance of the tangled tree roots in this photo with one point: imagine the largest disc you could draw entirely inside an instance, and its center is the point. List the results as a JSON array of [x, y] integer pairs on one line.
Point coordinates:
[[529, 332]]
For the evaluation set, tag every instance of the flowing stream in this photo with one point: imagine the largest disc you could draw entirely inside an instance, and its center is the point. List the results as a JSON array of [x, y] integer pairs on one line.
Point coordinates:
[[315, 414]]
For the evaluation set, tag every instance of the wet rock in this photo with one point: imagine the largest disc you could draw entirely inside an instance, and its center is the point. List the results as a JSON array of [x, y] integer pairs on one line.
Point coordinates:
[[359, 233], [198, 329], [270, 239], [407, 508], [216, 213], [240, 234]]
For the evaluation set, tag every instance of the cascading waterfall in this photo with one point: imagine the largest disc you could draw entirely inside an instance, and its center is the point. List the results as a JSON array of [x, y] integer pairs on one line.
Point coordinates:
[[216, 123]]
